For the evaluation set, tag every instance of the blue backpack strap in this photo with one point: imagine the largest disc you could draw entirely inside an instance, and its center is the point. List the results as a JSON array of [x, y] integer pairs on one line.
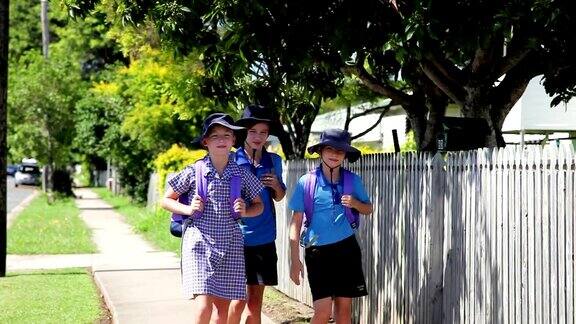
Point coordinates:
[[352, 214], [309, 189], [235, 193]]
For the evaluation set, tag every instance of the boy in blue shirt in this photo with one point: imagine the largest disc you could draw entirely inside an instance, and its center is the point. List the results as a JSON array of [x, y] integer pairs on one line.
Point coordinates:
[[332, 254]]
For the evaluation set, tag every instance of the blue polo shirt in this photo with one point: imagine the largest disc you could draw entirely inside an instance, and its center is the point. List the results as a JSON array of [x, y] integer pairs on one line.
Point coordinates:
[[329, 224], [262, 228]]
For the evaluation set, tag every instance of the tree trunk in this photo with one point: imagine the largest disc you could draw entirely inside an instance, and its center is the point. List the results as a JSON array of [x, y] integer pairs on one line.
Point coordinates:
[[425, 113], [286, 144], [299, 124], [418, 125], [62, 182], [4, 6]]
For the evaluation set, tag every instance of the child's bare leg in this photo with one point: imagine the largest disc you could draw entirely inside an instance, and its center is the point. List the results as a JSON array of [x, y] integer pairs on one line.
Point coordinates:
[[254, 309], [343, 310], [235, 311], [202, 309], [322, 311], [220, 313]]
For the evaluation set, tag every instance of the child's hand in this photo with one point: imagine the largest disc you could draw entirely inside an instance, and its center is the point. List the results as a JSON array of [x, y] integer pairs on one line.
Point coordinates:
[[240, 206], [196, 204], [270, 180], [349, 201], [296, 270]]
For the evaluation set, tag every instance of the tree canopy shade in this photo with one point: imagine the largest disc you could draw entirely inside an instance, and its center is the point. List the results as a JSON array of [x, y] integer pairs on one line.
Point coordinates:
[[421, 54]]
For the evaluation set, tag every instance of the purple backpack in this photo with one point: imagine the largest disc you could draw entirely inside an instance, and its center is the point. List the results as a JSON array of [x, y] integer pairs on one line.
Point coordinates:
[[179, 221], [352, 215]]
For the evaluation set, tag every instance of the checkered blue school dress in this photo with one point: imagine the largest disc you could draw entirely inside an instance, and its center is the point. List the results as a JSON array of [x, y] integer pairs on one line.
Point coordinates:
[[212, 247]]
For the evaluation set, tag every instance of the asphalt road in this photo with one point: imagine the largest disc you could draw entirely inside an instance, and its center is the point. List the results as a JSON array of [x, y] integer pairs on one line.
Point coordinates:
[[16, 195]]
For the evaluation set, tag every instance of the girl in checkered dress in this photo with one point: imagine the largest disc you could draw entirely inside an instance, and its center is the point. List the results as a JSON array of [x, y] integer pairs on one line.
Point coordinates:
[[212, 265]]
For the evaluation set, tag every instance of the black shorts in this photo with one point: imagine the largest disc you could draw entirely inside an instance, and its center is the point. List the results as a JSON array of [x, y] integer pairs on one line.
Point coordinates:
[[261, 264], [335, 270]]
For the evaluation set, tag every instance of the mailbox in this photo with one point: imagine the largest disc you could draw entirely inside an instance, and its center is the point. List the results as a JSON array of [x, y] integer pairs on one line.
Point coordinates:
[[459, 134]]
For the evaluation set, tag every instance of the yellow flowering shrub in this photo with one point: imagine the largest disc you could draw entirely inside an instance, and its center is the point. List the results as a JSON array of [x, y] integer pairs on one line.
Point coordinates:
[[174, 159]]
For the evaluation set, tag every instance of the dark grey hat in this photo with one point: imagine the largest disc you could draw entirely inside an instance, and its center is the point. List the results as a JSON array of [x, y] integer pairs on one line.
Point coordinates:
[[214, 119], [338, 139], [254, 114]]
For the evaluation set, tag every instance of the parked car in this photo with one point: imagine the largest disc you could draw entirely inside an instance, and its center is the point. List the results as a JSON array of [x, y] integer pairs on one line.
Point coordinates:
[[11, 169], [28, 174]]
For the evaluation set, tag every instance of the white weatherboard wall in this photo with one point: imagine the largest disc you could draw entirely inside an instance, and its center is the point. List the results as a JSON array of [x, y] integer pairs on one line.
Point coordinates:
[[533, 114], [382, 133]]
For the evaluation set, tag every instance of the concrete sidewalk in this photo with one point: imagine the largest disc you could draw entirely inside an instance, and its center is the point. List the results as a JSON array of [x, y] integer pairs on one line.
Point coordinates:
[[140, 284]]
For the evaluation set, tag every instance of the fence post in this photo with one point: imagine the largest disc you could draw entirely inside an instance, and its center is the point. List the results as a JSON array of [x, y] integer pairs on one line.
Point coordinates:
[[436, 218]]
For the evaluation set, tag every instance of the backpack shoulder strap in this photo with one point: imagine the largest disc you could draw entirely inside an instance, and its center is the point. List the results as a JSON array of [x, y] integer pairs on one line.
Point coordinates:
[[352, 214], [235, 193], [201, 183], [200, 189], [309, 190], [347, 181]]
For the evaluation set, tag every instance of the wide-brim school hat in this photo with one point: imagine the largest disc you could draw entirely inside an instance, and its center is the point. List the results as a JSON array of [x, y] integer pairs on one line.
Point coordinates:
[[338, 139], [254, 114], [216, 119]]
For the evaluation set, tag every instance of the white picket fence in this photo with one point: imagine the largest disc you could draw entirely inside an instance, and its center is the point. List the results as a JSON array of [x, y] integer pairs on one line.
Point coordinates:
[[470, 237]]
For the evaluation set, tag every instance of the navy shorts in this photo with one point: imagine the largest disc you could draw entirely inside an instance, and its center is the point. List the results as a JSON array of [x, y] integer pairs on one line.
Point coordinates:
[[261, 264], [335, 270]]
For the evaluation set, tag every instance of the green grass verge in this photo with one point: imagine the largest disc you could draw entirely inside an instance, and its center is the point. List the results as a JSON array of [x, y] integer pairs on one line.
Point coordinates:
[[153, 224], [284, 309], [43, 228], [58, 296]]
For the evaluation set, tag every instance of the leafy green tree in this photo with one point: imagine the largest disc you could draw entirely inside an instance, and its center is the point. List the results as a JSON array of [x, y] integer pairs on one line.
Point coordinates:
[[422, 55], [136, 112], [164, 98], [483, 67], [233, 77], [42, 95], [84, 40], [25, 32], [79, 51]]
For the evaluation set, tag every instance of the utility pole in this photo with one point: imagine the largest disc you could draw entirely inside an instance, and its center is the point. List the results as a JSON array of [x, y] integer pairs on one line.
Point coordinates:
[[45, 30], [4, 7], [47, 174]]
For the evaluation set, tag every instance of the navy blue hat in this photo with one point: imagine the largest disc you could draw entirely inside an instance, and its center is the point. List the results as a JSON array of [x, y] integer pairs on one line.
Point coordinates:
[[213, 120], [254, 114], [338, 139]]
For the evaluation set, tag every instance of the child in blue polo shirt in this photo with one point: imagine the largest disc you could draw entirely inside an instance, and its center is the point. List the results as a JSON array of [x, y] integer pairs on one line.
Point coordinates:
[[260, 231], [332, 254]]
